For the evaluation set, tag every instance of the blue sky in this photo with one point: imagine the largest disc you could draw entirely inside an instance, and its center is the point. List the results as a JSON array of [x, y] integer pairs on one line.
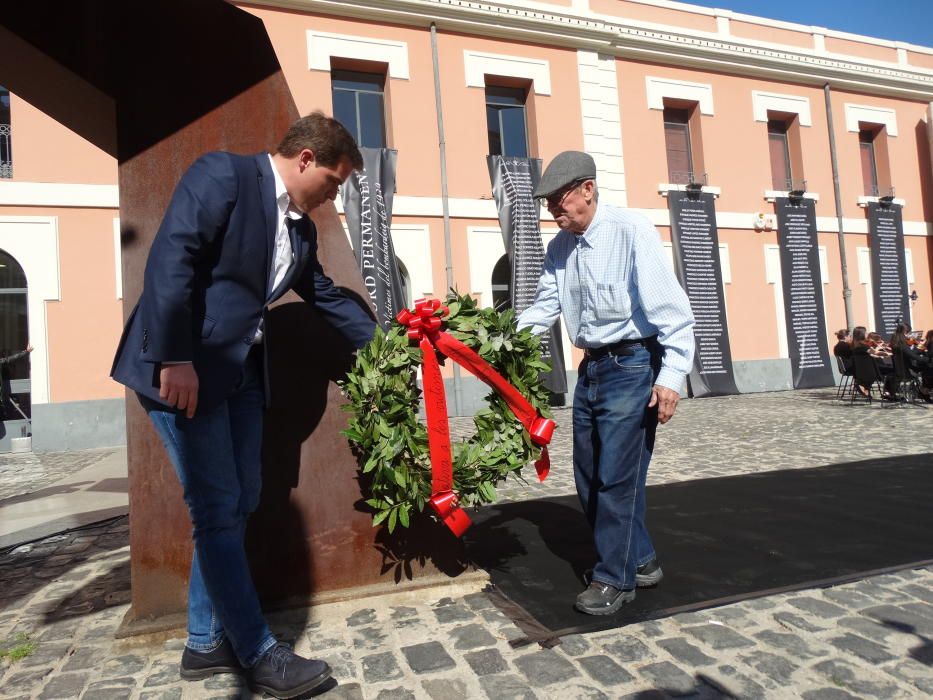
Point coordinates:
[[901, 20]]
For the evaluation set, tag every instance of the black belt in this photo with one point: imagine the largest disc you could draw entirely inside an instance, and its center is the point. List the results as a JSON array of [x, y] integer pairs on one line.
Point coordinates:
[[617, 348]]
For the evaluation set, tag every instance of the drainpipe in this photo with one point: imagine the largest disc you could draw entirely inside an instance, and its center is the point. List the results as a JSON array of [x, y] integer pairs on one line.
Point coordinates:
[[846, 292], [445, 204]]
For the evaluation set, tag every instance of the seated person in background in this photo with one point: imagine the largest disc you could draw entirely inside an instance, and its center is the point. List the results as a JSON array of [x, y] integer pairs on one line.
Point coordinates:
[[877, 346], [9, 409], [881, 351], [926, 347], [860, 346], [843, 348], [912, 359]]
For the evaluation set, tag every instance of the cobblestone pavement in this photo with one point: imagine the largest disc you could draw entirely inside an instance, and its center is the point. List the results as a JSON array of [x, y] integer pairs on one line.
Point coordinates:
[[869, 639], [752, 433]]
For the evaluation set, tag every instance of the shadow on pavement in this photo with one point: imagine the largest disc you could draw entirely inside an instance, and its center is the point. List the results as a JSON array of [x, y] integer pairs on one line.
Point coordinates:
[[55, 560]]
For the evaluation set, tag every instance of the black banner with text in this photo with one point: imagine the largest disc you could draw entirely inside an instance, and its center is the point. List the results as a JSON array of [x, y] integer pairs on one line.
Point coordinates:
[[513, 182], [888, 268], [367, 206], [696, 258], [802, 284]]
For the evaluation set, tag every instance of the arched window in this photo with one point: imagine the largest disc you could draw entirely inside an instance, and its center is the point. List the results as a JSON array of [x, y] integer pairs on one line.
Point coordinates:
[[14, 337], [502, 284], [405, 279]]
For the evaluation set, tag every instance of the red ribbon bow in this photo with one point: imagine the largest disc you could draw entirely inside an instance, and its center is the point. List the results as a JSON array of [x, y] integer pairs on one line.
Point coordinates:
[[422, 320], [424, 326]]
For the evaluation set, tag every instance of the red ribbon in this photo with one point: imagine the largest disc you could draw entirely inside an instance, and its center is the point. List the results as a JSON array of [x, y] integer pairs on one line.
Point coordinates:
[[424, 326]]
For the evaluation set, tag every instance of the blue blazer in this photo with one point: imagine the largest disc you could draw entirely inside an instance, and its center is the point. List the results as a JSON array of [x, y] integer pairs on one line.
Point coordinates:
[[206, 281]]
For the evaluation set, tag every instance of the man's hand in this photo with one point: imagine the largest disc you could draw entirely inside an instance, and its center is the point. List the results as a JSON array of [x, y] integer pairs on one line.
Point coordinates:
[[666, 401], [179, 387]]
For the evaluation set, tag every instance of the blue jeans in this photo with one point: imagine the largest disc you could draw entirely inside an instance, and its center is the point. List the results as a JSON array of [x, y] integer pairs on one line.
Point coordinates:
[[217, 457], [613, 438]]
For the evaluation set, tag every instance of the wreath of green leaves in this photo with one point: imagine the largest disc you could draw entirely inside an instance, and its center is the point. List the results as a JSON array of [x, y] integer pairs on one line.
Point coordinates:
[[391, 443]]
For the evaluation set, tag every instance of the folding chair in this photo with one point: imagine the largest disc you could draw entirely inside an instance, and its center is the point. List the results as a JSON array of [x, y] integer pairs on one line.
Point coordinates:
[[867, 374], [845, 379], [908, 383]]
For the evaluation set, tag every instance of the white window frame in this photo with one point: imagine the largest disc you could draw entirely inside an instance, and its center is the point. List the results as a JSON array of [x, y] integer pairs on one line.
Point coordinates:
[[33, 241], [660, 88], [763, 102], [322, 46], [871, 115], [477, 65]]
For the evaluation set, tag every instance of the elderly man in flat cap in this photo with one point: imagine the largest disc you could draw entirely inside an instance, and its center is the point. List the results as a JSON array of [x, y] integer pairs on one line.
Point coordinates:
[[607, 272]]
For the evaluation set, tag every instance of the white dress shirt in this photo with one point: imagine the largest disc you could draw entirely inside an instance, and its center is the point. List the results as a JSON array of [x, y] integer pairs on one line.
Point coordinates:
[[283, 257]]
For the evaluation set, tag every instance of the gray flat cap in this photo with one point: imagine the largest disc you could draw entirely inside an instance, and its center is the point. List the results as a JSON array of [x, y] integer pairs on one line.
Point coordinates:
[[566, 167]]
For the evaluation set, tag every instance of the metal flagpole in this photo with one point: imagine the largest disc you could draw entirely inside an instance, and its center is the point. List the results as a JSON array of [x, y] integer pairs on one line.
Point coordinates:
[[445, 205], [846, 291]]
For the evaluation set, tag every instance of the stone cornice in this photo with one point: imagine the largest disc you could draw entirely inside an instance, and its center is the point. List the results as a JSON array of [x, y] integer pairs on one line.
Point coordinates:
[[552, 25], [755, 58]]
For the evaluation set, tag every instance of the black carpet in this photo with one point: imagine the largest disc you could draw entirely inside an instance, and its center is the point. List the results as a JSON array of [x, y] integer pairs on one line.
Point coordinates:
[[719, 541]]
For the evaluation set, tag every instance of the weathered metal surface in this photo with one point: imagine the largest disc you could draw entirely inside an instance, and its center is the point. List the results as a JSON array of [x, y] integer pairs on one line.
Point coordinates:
[[337, 547], [160, 541], [206, 78]]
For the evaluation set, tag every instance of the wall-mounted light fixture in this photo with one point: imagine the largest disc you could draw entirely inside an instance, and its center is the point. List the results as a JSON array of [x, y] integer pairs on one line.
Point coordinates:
[[796, 196], [693, 189]]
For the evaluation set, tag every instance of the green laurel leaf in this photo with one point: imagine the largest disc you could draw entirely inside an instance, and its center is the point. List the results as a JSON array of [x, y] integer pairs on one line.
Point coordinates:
[[391, 443]]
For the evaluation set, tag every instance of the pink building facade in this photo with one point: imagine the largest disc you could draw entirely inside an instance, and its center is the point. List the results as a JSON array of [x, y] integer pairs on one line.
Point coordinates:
[[659, 92]]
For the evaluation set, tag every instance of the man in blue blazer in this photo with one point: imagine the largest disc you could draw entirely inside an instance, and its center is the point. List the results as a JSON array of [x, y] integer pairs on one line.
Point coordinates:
[[236, 237]]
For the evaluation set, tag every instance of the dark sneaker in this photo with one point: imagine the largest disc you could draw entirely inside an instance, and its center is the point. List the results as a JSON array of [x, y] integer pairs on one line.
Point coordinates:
[[648, 575], [602, 599], [198, 665], [283, 674]]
